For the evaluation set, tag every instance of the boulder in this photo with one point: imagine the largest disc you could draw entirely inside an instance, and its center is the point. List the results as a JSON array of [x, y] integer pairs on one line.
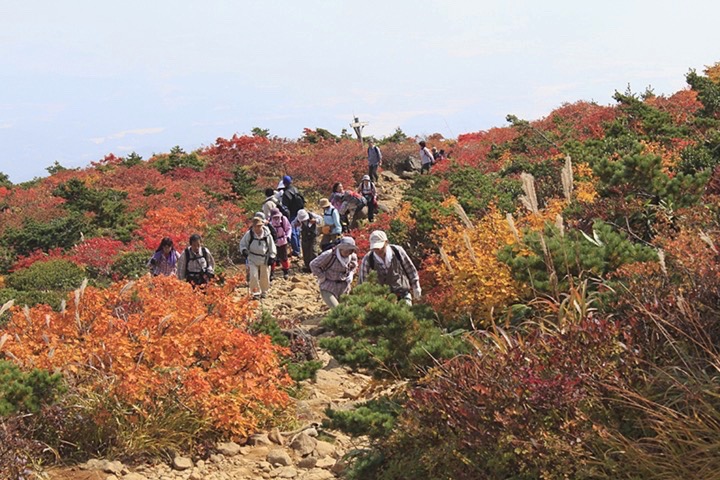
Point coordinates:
[[229, 449], [182, 463], [132, 476], [303, 444], [326, 462], [276, 437], [259, 439], [307, 462], [279, 457], [286, 472], [324, 449], [311, 432]]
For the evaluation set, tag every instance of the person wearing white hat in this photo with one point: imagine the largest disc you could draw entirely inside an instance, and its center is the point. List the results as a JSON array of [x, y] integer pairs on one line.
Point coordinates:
[[309, 225], [369, 192], [335, 269], [393, 267], [258, 247]]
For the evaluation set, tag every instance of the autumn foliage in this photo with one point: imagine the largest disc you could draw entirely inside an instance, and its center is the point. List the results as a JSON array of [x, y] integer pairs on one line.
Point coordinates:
[[157, 341]]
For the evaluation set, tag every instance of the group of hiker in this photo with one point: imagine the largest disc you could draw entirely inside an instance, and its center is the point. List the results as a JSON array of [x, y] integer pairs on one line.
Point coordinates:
[[285, 227]]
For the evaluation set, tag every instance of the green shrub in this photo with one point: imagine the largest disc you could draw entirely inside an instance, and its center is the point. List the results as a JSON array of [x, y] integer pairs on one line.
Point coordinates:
[[26, 391], [131, 265], [31, 298], [50, 275], [374, 330], [63, 232], [300, 371], [375, 418]]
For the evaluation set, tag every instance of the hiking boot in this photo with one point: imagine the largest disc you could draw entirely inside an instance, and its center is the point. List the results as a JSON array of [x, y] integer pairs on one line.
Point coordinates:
[[286, 274], [263, 295]]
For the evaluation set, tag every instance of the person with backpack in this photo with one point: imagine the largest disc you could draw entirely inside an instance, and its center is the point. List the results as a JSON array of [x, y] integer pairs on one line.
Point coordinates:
[[165, 259], [426, 158], [309, 225], [294, 201], [337, 197], [393, 267], [374, 160], [332, 228], [258, 247], [196, 265], [353, 208], [271, 201], [335, 269], [369, 192], [283, 231]]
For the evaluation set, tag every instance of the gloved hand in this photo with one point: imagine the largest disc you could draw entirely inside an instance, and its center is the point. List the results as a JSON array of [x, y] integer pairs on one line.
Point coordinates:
[[244, 253], [270, 260], [417, 292]]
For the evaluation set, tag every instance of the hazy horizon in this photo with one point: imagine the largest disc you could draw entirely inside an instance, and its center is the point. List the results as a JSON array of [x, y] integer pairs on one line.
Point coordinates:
[[83, 79]]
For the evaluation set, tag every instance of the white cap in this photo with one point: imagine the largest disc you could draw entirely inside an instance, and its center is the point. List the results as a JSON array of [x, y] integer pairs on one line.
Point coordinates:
[[378, 239], [302, 215], [281, 185]]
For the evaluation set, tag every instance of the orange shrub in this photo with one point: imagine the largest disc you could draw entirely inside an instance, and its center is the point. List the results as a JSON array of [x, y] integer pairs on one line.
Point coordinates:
[[154, 342]]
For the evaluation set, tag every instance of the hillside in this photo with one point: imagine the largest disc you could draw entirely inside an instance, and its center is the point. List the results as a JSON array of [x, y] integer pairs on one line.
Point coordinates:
[[567, 326]]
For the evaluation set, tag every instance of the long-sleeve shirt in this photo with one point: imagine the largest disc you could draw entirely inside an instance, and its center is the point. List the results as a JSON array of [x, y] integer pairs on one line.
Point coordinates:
[[195, 262], [334, 274], [426, 156], [283, 228], [164, 265], [396, 270], [331, 217], [259, 247], [374, 156]]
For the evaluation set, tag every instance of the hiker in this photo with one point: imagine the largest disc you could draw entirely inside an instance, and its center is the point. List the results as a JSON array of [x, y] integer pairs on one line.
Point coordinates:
[[258, 247], [196, 264], [336, 200], [164, 260], [332, 228], [309, 225], [271, 201], [283, 231], [294, 201], [393, 266], [374, 160], [426, 158], [353, 207], [335, 269], [369, 192]]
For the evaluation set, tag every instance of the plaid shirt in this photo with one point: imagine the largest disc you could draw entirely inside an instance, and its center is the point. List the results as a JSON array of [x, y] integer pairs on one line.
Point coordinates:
[[407, 269], [332, 275]]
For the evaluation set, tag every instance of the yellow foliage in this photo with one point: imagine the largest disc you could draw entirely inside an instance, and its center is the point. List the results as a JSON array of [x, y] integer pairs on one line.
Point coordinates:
[[713, 72], [469, 274], [584, 183]]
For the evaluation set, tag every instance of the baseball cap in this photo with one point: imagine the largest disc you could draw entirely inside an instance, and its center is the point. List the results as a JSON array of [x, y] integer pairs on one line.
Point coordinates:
[[378, 239]]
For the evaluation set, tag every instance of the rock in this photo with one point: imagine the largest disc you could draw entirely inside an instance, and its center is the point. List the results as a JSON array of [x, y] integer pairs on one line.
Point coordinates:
[[182, 463], [93, 464], [303, 444], [132, 476], [264, 466], [113, 467], [324, 449], [214, 458], [307, 462], [286, 472], [279, 457], [276, 437], [111, 477], [200, 464], [229, 449], [317, 474], [339, 467], [325, 462], [196, 475], [408, 175], [259, 439], [311, 432]]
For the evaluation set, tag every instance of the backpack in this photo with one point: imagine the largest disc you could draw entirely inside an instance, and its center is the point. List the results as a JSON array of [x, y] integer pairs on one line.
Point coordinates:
[[271, 229], [396, 253], [359, 200], [188, 252], [277, 229], [284, 210], [293, 201]]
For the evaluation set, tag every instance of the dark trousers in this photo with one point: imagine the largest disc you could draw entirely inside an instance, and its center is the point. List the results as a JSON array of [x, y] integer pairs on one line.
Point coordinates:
[[370, 207], [372, 172], [308, 251]]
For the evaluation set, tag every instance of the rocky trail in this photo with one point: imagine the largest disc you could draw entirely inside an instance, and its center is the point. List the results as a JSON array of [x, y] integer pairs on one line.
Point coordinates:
[[307, 452]]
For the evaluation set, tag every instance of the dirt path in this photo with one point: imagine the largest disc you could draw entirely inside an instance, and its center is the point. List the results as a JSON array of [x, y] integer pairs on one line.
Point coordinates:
[[305, 453]]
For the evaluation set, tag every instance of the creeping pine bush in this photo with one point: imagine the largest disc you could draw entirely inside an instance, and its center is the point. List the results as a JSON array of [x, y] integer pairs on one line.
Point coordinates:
[[26, 391], [374, 330], [51, 275]]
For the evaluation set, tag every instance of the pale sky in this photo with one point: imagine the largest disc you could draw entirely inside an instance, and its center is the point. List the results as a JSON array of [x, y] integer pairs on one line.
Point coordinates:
[[80, 79]]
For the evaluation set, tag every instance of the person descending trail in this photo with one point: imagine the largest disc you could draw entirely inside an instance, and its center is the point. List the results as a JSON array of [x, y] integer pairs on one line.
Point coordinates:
[[164, 260], [426, 158], [335, 269], [353, 208], [271, 201], [258, 247], [374, 161], [369, 192], [332, 228], [337, 197], [294, 201], [309, 225], [393, 266], [283, 231], [196, 264]]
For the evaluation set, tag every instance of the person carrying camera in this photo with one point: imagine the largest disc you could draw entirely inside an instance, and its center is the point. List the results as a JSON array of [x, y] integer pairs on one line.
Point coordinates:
[[258, 247], [196, 264]]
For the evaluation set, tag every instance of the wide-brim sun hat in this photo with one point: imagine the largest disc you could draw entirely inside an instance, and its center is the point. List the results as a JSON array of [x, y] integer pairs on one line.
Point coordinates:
[[258, 221], [324, 202], [275, 212], [378, 239]]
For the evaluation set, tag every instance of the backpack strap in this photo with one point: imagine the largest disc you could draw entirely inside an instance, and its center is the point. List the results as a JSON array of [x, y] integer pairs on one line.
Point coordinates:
[[396, 254]]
